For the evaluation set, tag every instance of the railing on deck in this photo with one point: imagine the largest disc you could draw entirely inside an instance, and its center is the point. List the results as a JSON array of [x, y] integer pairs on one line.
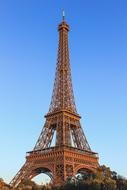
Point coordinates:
[[59, 148]]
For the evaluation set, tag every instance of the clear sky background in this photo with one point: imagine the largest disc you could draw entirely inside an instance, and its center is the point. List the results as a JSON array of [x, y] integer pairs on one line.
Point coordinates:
[[98, 53]]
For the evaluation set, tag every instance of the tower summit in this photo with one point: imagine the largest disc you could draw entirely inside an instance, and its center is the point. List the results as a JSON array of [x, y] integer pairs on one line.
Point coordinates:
[[63, 97], [71, 153], [63, 15]]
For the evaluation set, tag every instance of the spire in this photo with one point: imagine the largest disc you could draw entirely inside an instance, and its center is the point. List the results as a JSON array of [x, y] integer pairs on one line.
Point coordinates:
[[63, 97], [63, 15]]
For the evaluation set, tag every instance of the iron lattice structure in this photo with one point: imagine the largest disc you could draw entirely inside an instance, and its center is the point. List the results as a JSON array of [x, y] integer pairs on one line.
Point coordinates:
[[71, 153]]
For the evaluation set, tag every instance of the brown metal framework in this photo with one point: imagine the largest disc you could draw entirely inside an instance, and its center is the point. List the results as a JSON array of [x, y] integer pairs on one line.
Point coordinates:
[[71, 152]]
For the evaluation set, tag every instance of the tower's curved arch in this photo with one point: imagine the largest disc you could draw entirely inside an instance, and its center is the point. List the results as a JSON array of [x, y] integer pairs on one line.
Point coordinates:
[[83, 169], [39, 170]]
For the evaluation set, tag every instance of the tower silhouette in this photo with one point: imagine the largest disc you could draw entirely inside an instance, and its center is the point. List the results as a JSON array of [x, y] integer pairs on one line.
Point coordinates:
[[71, 153]]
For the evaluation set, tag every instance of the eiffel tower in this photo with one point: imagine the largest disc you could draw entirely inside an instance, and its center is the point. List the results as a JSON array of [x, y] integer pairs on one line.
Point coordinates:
[[71, 153]]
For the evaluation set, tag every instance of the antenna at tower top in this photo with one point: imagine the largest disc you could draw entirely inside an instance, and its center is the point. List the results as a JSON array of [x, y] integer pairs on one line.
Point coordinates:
[[63, 15]]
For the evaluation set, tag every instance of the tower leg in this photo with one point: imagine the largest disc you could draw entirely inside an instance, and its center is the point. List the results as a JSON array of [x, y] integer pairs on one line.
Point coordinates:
[[24, 173]]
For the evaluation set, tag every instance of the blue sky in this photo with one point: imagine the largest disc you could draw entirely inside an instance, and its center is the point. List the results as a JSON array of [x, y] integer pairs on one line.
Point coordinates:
[[98, 53]]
